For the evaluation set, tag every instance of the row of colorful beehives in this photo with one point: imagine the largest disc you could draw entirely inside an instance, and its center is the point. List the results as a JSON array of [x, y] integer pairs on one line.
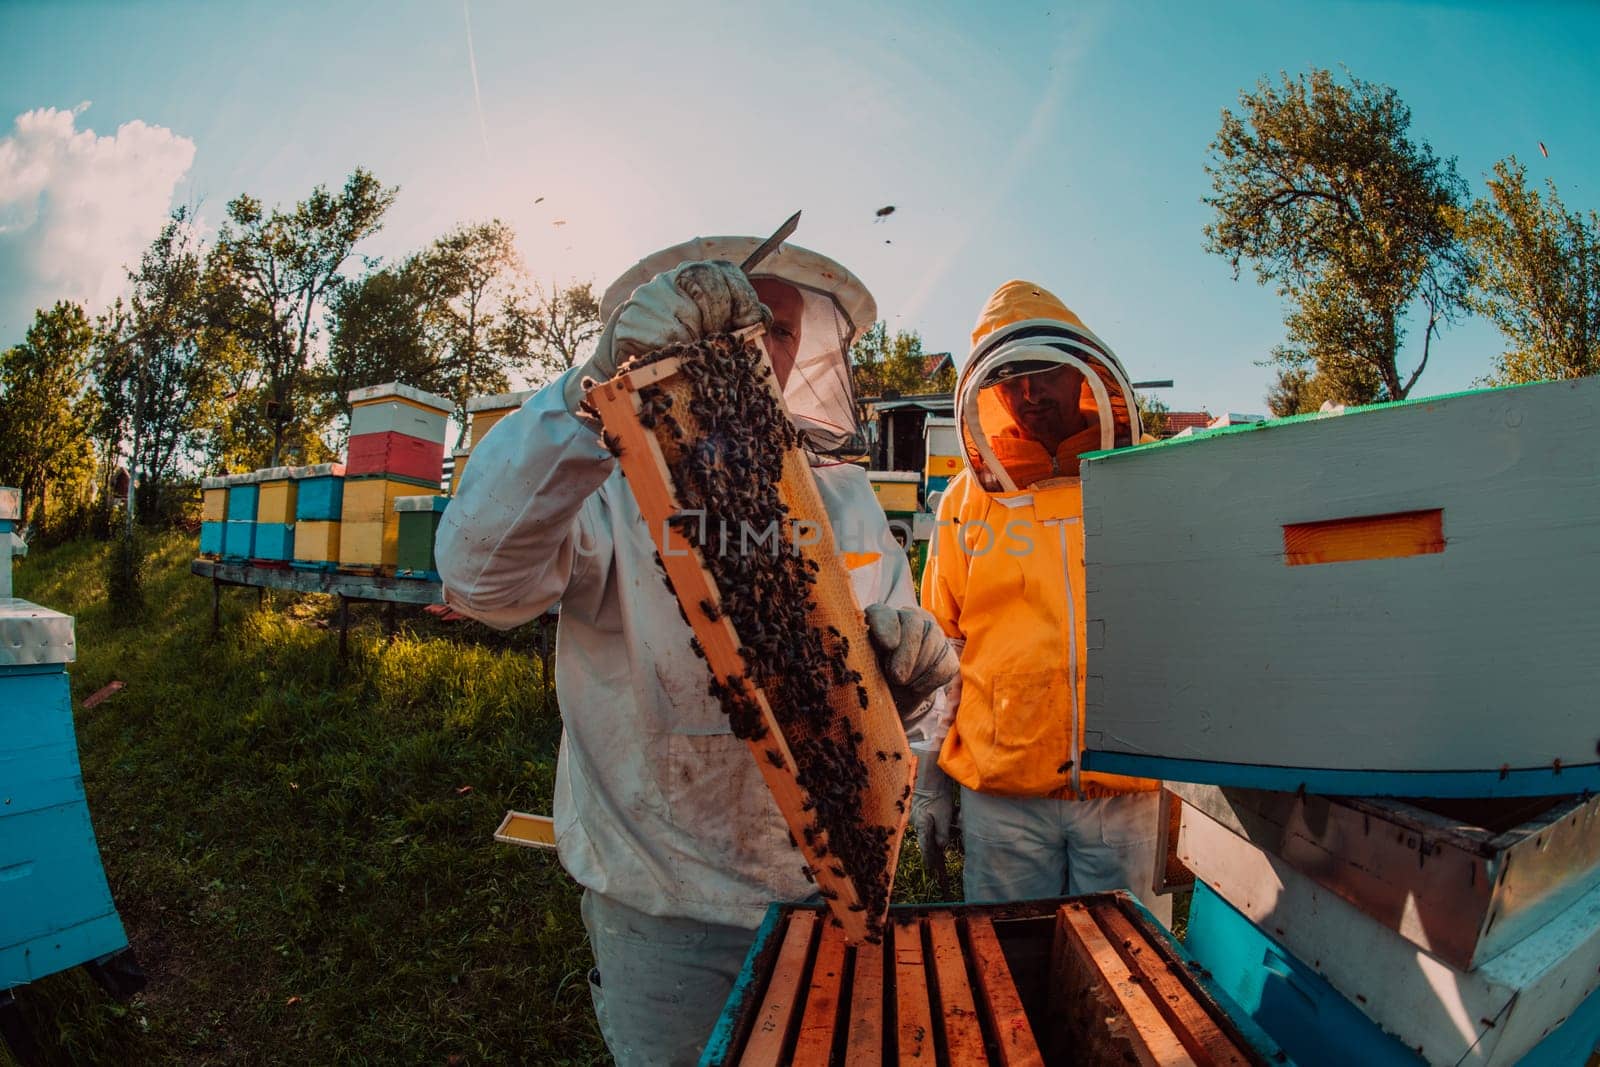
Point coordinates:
[[377, 511]]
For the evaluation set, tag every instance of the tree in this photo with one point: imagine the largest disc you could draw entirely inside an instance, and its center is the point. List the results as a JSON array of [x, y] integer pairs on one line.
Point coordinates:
[[470, 277], [881, 363], [153, 372], [1152, 414], [1320, 186], [1539, 279], [380, 334], [46, 411], [269, 276], [555, 327]]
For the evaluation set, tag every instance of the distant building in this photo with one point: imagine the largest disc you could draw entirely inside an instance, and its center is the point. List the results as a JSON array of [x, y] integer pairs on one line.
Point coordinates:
[[1179, 421]]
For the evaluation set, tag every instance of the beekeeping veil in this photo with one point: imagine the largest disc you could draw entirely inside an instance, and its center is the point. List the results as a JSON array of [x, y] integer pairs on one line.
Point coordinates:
[[1039, 390], [834, 309]]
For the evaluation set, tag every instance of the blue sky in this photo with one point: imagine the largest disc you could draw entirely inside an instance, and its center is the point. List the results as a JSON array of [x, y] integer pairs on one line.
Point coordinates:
[[1064, 143]]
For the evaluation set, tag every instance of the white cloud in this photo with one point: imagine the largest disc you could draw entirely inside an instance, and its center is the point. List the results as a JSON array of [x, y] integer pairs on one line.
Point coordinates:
[[77, 207]]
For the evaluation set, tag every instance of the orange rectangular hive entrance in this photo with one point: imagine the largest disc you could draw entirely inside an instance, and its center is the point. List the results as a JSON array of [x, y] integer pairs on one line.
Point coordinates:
[[724, 485]]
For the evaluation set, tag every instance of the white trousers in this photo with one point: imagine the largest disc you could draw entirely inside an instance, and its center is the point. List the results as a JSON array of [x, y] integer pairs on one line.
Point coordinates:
[[658, 984], [1023, 848]]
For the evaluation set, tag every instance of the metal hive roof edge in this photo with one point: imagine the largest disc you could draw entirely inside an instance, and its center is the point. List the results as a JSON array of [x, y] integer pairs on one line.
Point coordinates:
[[31, 635]]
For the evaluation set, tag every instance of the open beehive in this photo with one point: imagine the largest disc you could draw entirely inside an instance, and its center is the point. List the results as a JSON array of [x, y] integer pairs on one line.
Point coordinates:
[[721, 479], [1087, 980]]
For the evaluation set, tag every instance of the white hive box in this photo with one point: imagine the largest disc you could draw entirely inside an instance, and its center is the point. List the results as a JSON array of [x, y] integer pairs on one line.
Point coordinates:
[[1400, 600]]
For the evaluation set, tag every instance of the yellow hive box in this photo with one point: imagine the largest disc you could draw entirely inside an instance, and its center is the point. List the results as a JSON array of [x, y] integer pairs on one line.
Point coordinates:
[[369, 544], [372, 499], [214, 505], [895, 490], [276, 502], [316, 542], [484, 411], [943, 465]]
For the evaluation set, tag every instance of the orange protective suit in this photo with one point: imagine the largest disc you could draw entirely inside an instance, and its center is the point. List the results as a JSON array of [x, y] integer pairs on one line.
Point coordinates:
[[1005, 573]]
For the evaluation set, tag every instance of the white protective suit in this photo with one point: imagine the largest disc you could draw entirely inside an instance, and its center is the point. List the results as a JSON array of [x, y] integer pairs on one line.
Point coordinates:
[[658, 806]]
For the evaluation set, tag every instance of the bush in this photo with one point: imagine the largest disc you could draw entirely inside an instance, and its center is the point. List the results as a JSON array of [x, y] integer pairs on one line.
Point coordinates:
[[125, 571]]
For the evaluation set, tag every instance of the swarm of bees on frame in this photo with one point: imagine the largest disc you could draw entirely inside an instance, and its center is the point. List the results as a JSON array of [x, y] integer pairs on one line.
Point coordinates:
[[724, 439]]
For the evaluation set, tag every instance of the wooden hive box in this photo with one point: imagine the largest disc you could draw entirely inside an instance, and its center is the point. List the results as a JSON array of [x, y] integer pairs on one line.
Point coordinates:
[[1500, 1011], [56, 909], [239, 532], [1464, 879], [458, 469], [483, 412], [860, 730], [942, 447], [1086, 980], [275, 508], [418, 521], [396, 454], [213, 514], [396, 408], [369, 528], [1398, 600], [316, 545], [319, 492], [896, 490]]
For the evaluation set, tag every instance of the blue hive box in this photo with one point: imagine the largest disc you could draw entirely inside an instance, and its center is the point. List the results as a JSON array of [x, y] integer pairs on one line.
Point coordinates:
[[239, 532], [243, 492], [55, 906], [320, 494], [1313, 1022], [273, 541]]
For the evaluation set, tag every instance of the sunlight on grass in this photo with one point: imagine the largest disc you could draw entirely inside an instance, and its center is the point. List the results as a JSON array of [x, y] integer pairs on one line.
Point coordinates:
[[301, 849]]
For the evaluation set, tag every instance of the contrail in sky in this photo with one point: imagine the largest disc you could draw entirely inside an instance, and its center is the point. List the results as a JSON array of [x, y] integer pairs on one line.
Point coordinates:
[[477, 97]]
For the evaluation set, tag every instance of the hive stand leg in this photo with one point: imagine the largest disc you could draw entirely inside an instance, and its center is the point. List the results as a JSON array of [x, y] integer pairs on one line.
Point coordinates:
[[216, 608], [118, 973], [261, 597], [388, 619], [344, 627], [14, 1032]]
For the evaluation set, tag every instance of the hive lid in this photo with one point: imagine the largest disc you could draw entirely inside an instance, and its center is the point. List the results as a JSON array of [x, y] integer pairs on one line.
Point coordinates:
[[420, 503], [276, 474], [10, 503], [247, 478], [318, 470], [498, 401], [214, 481], [31, 635], [372, 394]]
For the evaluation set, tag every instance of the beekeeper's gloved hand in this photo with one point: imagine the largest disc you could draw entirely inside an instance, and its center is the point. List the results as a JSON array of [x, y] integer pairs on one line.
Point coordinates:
[[688, 302], [916, 657], [933, 804]]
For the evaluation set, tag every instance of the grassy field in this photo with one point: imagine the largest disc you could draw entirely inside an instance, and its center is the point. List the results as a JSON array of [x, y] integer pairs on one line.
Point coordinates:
[[301, 850]]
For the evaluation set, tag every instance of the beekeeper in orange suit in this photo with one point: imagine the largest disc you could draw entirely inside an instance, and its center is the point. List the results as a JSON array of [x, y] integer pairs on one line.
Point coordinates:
[[1005, 580]]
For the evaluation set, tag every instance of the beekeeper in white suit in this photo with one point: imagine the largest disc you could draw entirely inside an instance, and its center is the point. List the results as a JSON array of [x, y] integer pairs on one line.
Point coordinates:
[[661, 813]]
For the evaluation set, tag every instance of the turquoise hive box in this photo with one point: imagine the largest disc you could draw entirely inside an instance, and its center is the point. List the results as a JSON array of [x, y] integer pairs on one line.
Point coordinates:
[[55, 906]]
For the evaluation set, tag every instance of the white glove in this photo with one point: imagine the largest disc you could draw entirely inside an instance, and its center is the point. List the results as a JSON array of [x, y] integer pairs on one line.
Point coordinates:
[[915, 655], [688, 302], [933, 804]]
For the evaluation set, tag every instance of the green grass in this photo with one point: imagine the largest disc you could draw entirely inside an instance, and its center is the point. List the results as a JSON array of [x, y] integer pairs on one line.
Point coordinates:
[[290, 845]]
